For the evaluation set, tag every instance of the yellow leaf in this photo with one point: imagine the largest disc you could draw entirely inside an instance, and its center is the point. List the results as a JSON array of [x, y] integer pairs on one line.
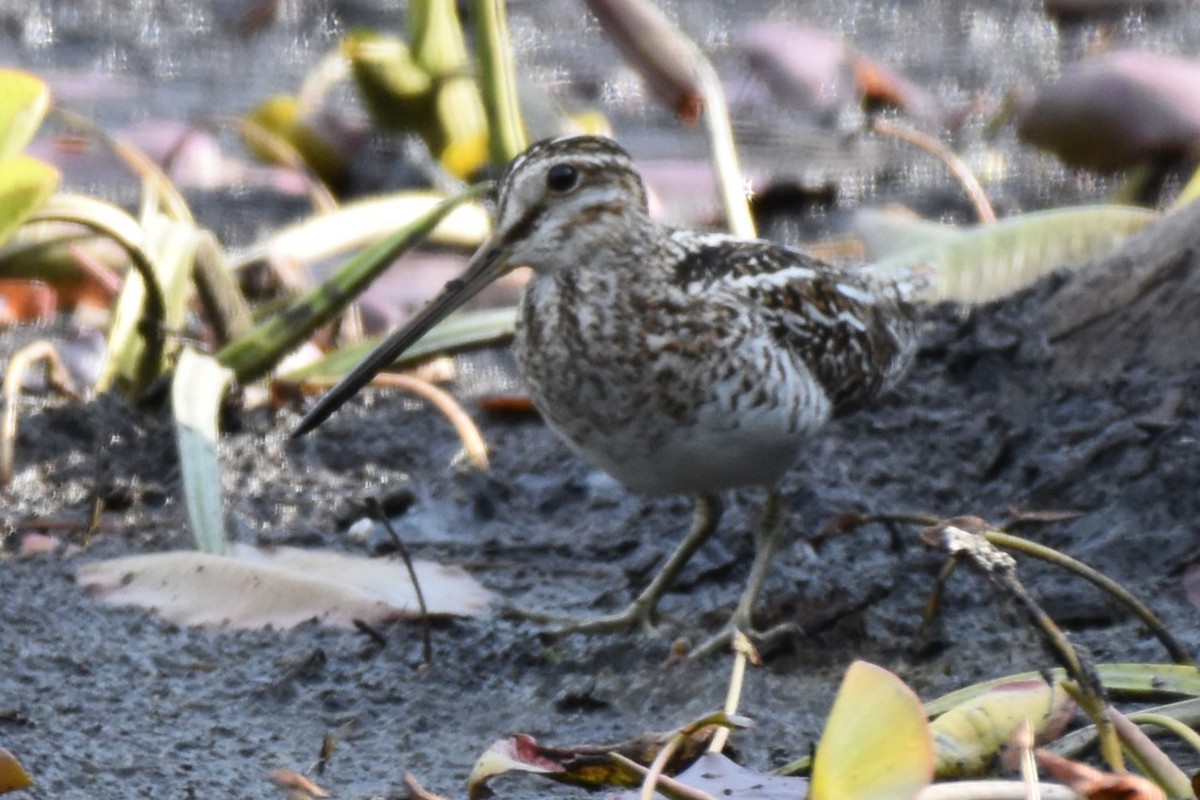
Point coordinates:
[[970, 736], [25, 184], [876, 744], [24, 99], [12, 775]]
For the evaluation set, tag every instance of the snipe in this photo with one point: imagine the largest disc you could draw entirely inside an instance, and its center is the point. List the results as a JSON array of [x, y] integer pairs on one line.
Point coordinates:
[[677, 361]]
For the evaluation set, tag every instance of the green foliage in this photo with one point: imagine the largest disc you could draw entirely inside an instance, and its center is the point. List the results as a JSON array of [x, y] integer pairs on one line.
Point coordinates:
[[25, 182]]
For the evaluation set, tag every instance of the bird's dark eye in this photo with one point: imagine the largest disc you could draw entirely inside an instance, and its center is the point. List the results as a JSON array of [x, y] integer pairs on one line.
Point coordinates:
[[562, 178]]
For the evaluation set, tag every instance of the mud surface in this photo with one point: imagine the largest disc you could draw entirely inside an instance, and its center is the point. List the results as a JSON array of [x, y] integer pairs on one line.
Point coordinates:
[[104, 703]]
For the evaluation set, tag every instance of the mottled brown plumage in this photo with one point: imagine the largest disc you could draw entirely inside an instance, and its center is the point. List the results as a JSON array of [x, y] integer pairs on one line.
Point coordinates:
[[677, 361]]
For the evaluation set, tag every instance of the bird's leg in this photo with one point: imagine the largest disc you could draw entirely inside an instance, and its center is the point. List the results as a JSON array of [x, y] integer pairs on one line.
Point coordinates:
[[768, 536], [704, 521], [770, 531]]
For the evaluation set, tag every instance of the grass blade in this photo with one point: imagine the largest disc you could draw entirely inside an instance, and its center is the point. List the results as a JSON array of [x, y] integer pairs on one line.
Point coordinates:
[[199, 385], [255, 354]]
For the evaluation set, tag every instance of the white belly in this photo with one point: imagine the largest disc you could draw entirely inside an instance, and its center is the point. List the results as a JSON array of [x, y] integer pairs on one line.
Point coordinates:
[[693, 461], [640, 438]]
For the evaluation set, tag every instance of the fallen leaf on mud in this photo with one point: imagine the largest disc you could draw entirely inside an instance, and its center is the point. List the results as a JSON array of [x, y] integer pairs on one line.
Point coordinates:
[[294, 785], [519, 753], [282, 587], [716, 775], [33, 544], [12, 775], [589, 766], [970, 737], [1096, 785]]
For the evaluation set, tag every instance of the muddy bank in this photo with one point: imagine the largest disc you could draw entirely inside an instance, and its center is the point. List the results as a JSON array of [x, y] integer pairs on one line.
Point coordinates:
[[103, 703]]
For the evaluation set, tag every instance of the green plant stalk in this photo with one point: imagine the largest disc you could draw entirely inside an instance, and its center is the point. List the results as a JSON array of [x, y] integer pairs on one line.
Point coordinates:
[[1150, 759], [1097, 709], [222, 298], [1137, 681], [1074, 744], [170, 246], [253, 355], [1029, 548], [440, 48], [1182, 731], [498, 81], [113, 222]]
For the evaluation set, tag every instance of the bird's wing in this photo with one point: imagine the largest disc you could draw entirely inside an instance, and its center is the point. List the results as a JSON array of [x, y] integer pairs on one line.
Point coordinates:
[[851, 327]]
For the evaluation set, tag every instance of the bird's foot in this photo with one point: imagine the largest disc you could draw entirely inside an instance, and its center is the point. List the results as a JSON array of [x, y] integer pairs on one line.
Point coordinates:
[[635, 615], [761, 639]]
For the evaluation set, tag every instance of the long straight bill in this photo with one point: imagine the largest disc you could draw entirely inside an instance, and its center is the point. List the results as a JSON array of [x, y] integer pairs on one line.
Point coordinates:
[[485, 266]]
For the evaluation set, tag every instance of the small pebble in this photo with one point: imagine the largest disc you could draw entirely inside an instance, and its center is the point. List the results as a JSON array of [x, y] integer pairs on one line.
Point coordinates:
[[360, 531]]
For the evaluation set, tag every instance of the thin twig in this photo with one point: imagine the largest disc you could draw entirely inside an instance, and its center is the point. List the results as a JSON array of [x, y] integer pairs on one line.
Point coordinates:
[[666, 784], [450, 408], [991, 790], [416, 790], [1023, 739], [426, 627], [1035, 550], [744, 652], [14, 376], [953, 162], [935, 597], [655, 771], [720, 719]]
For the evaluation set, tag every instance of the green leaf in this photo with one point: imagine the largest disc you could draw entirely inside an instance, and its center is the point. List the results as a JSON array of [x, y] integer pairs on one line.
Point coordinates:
[[986, 262], [398, 93], [170, 249], [365, 222], [254, 354], [458, 332], [196, 392], [1135, 681], [498, 81], [25, 185], [24, 100]]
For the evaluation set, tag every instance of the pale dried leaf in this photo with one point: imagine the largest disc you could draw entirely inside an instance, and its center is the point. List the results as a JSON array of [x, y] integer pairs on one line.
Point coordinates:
[[280, 588]]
